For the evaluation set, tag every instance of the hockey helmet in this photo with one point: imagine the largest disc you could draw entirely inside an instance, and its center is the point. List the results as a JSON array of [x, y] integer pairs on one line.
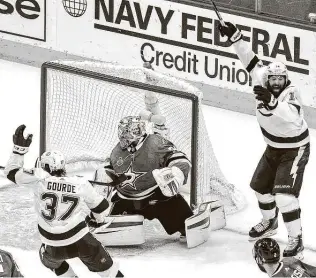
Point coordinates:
[[130, 130], [276, 68], [266, 250], [53, 161]]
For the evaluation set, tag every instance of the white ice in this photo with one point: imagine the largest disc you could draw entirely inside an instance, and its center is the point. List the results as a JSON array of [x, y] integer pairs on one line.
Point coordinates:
[[238, 145]]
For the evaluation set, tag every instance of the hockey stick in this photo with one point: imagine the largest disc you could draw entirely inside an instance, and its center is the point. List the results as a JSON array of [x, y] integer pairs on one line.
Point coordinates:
[[116, 181], [218, 14]]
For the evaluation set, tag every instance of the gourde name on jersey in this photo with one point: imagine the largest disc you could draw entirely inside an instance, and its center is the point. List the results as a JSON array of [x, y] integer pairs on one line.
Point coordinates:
[[138, 166], [294, 268], [62, 187]]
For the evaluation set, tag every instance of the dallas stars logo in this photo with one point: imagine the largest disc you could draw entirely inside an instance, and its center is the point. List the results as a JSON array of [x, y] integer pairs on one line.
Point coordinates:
[[132, 177]]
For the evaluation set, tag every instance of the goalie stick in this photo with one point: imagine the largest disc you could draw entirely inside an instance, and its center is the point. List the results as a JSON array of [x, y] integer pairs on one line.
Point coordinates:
[[218, 14], [116, 181]]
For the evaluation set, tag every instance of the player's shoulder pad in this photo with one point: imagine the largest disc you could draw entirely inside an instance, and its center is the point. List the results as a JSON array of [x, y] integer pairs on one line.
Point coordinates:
[[38, 172], [163, 145], [292, 88], [74, 178], [290, 93], [260, 64], [159, 139], [115, 149]]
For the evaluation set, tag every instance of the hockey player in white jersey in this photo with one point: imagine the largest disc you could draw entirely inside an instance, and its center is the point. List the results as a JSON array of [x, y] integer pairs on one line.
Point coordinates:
[[59, 204], [278, 177]]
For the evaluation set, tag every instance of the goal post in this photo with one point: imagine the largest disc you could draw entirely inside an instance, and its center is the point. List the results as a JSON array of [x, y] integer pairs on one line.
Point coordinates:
[[82, 103]]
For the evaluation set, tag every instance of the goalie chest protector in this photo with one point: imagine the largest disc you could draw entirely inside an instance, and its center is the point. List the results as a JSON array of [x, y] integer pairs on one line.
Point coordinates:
[[138, 166]]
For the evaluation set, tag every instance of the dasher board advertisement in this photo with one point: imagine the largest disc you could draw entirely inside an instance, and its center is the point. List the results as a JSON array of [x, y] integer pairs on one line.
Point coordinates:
[[184, 41], [23, 18]]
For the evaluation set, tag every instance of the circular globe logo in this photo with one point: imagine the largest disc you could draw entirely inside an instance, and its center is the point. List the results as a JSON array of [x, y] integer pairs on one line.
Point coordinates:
[[75, 8]]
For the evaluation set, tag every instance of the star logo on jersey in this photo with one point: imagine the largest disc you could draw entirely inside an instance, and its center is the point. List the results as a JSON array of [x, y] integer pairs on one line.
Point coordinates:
[[132, 176]]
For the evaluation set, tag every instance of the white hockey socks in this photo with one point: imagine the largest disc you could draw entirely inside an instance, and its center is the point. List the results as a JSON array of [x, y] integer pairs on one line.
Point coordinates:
[[291, 213], [267, 205]]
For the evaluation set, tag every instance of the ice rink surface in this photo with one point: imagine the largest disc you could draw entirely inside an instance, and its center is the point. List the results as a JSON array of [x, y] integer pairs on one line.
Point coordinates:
[[238, 145]]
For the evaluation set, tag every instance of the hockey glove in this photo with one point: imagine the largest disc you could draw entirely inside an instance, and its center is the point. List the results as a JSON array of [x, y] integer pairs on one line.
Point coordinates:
[[231, 31], [264, 95], [91, 221], [21, 144], [169, 180]]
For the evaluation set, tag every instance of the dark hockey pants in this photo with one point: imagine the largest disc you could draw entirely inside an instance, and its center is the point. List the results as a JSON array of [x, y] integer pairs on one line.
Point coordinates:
[[88, 249], [170, 211], [281, 171]]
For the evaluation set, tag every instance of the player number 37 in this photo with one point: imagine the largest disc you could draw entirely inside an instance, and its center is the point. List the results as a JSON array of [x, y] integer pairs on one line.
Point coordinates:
[[51, 208]]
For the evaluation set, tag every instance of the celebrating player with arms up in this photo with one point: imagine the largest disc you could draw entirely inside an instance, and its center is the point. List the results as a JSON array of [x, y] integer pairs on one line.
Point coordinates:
[[278, 178], [59, 204], [266, 252]]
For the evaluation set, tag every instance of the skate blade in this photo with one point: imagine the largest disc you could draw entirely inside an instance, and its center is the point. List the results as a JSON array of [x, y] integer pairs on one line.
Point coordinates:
[[267, 234]]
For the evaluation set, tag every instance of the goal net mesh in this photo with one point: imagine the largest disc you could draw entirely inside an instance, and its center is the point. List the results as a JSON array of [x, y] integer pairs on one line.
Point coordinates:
[[82, 103]]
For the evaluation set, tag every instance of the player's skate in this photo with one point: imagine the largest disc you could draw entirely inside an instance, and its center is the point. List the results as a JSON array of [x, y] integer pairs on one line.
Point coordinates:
[[294, 248], [265, 228]]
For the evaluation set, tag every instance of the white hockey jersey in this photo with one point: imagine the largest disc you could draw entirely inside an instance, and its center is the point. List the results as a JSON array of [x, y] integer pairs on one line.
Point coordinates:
[[60, 202], [284, 126]]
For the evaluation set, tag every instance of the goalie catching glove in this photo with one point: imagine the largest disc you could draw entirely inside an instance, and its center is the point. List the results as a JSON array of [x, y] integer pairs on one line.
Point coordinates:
[[169, 180], [21, 144]]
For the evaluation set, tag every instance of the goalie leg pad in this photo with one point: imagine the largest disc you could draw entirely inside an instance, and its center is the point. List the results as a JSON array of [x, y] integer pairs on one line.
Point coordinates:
[[210, 217], [218, 218], [121, 230], [197, 227]]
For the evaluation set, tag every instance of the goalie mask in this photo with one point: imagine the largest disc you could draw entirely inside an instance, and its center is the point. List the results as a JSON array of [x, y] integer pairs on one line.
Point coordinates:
[[53, 162], [266, 251], [130, 130]]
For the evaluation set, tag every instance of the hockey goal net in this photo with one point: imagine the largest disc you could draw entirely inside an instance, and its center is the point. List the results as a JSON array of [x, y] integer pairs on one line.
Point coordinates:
[[82, 103]]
